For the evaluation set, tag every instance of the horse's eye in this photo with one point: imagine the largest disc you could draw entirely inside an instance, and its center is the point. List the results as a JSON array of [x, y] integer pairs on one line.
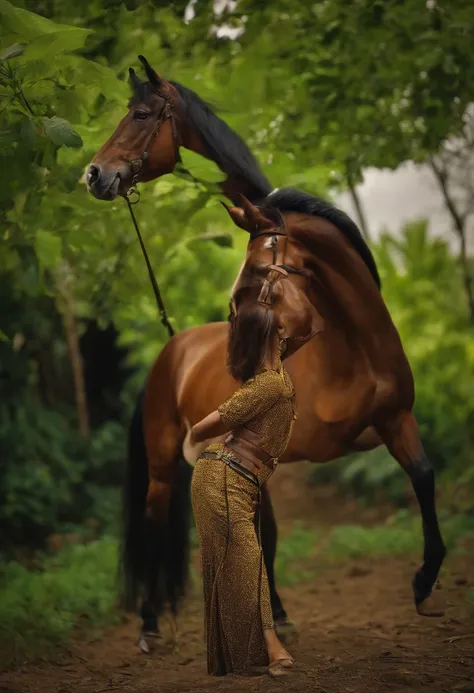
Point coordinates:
[[140, 115]]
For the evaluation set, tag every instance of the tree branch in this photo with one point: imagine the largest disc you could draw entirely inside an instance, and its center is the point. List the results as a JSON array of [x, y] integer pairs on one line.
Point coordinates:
[[75, 357], [459, 224], [357, 203]]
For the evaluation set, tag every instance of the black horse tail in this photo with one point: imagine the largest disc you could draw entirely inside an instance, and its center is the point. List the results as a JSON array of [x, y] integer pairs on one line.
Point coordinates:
[[135, 488], [154, 558], [177, 555]]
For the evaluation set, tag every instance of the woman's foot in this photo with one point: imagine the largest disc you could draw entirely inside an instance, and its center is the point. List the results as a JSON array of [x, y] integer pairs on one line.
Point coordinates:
[[280, 660], [280, 667]]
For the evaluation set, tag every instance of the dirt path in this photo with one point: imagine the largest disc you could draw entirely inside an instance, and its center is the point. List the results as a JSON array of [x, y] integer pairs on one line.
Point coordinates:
[[359, 633]]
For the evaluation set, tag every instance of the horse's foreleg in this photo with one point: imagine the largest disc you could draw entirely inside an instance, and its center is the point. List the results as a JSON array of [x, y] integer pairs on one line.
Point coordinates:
[[269, 536], [402, 439]]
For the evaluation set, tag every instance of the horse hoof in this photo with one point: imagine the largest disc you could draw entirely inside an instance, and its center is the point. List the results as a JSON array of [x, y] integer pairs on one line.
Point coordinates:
[[147, 642], [286, 630], [433, 605]]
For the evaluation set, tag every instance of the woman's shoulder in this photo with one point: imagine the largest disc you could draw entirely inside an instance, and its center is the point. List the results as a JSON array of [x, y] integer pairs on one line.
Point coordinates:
[[270, 377]]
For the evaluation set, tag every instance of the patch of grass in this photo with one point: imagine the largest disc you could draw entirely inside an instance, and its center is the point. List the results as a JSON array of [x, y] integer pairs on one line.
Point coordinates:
[[40, 609], [304, 550], [401, 534], [296, 546]]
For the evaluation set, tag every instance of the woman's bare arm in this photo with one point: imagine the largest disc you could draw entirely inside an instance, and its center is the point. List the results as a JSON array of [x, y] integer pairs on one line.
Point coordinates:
[[210, 427]]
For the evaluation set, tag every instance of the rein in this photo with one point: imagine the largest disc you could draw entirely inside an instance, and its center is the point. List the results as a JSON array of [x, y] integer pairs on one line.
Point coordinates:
[[137, 167], [156, 289]]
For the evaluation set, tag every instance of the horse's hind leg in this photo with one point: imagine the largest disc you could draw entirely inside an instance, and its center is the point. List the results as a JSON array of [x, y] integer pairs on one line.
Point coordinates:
[[402, 439], [269, 536], [163, 464]]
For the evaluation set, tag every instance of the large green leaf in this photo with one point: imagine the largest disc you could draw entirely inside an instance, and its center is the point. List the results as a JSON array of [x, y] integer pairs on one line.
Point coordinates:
[[95, 74], [48, 249], [61, 132], [27, 24], [201, 168], [49, 46]]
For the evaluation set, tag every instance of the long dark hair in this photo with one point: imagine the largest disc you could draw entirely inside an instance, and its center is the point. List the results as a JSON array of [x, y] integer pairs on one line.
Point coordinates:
[[252, 331]]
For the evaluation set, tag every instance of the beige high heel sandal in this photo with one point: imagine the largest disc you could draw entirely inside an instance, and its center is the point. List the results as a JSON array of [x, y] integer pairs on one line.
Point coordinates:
[[280, 667]]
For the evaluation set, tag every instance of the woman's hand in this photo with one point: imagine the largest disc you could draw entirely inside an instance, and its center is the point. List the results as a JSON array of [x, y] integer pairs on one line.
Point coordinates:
[[210, 427]]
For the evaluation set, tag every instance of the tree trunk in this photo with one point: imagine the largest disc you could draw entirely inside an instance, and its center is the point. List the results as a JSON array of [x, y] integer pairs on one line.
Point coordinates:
[[460, 228], [75, 357], [357, 204]]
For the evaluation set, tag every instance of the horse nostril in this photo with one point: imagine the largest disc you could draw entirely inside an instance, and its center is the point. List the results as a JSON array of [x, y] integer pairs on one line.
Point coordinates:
[[93, 174]]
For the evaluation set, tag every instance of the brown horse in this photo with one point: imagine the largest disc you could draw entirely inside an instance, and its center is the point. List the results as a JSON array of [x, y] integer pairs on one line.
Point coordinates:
[[353, 383]]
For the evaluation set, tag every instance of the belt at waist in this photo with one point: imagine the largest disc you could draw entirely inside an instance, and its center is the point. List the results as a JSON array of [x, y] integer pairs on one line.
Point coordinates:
[[245, 444], [240, 467]]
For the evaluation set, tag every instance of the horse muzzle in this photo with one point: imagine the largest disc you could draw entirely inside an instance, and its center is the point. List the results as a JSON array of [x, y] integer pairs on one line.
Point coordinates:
[[106, 184]]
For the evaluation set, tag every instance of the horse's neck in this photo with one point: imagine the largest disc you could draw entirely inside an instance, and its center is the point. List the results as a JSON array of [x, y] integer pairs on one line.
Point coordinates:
[[234, 184], [344, 287]]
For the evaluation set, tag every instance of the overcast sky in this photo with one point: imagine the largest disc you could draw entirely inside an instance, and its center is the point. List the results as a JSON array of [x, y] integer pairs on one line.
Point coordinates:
[[391, 198]]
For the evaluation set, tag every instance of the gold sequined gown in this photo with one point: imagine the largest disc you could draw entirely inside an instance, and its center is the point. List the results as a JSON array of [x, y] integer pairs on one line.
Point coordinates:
[[225, 503]]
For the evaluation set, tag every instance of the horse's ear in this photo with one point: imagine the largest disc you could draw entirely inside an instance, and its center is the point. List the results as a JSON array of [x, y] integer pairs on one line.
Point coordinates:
[[237, 215], [134, 81], [249, 217], [153, 77], [256, 217]]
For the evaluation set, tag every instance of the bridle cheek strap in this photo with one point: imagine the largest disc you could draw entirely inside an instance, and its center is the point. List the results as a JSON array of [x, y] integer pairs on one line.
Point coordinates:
[[166, 113]]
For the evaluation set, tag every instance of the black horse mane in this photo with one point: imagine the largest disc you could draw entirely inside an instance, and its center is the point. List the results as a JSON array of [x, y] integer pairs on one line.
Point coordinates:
[[292, 200], [225, 146]]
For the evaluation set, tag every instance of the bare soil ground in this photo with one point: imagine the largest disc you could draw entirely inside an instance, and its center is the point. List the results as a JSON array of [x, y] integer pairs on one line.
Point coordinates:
[[359, 632]]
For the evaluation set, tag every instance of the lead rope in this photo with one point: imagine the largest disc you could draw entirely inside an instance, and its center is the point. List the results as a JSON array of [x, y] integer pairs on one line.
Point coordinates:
[[154, 283]]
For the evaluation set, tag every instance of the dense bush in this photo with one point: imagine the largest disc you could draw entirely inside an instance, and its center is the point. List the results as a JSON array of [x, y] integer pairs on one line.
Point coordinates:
[[40, 608], [52, 480]]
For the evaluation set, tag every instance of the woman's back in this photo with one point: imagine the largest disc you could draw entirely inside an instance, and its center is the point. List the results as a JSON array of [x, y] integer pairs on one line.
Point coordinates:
[[265, 405]]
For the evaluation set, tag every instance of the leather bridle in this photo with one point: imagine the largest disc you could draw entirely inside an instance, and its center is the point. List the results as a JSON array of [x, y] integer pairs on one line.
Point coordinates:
[[136, 165], [276, 272]]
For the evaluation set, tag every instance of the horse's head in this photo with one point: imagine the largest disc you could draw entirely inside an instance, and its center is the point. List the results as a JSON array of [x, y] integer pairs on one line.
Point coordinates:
[[275, 274], [145, 143]]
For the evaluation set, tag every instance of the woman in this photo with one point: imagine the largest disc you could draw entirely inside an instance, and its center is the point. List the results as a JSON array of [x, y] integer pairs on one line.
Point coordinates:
[[226, 495]]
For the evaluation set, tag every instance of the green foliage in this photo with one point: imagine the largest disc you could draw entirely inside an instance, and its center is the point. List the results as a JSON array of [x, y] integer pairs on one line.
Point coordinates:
[[40, 608], [294, 549], [53, 479], [400, 535], [363, 84], [201, 168], [304, 550], [60, 132]]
